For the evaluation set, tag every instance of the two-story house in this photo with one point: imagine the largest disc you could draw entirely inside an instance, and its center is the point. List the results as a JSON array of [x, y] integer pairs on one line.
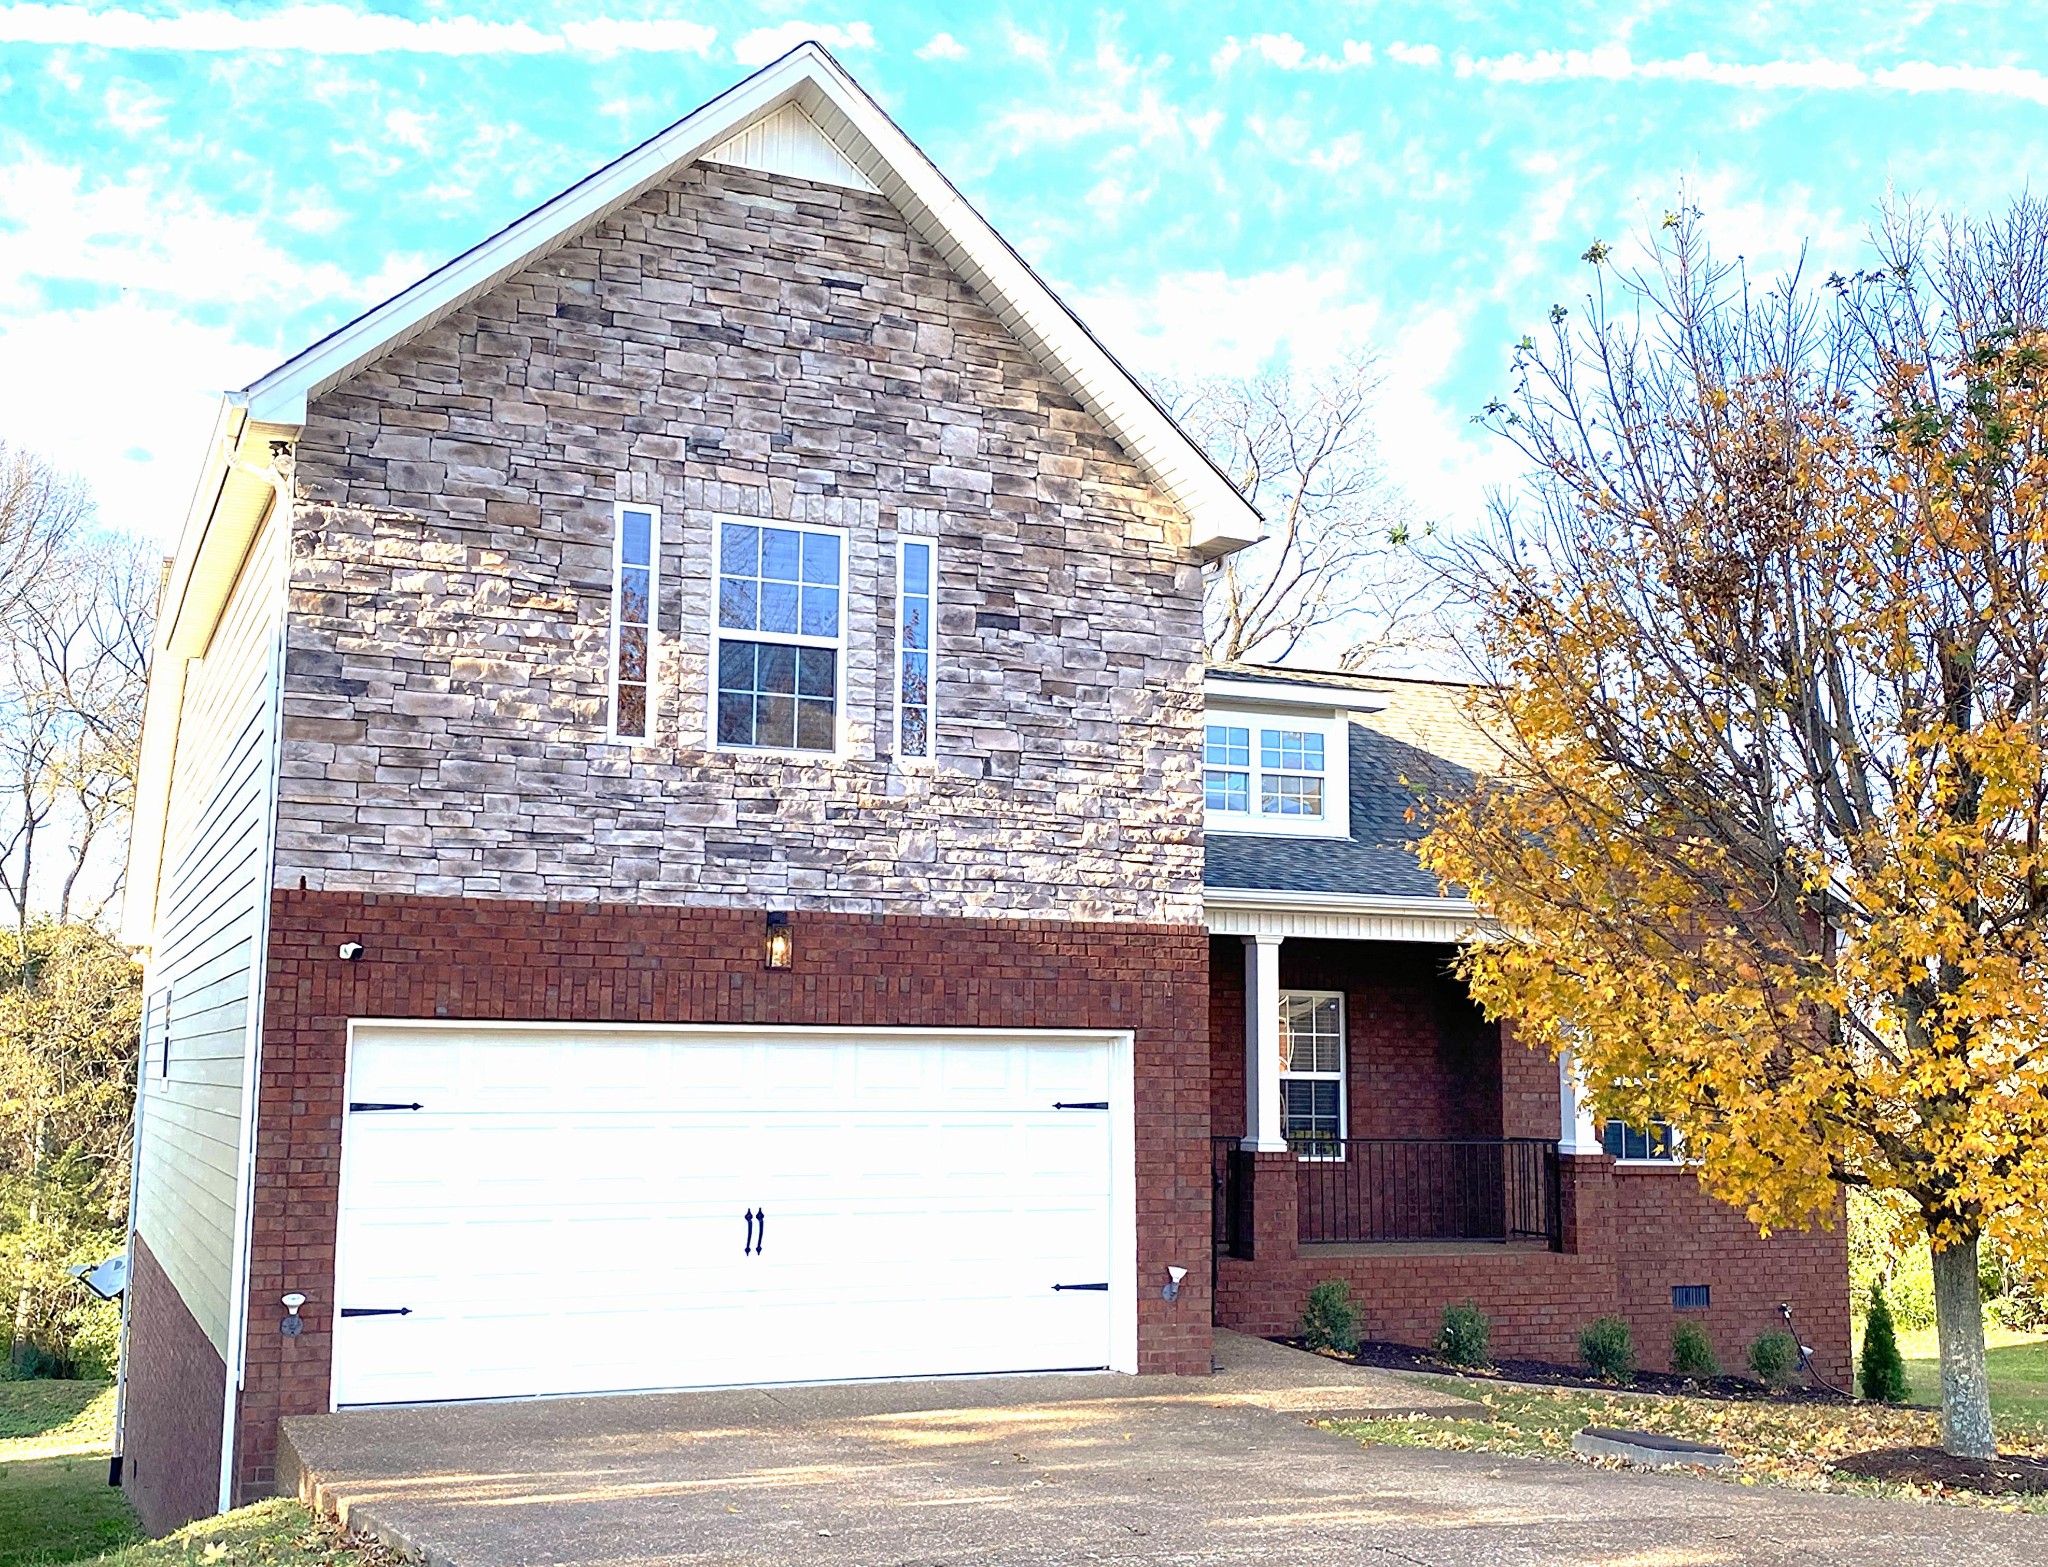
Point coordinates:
[[671, 844]]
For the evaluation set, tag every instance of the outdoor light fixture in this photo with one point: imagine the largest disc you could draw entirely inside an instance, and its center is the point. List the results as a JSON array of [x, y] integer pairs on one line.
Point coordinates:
[[1173, 1278], [351, 951], [781, 946], [293, 1324]]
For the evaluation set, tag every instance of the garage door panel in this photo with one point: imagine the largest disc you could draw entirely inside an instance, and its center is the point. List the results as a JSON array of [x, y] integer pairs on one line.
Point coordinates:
[[567, 1213]]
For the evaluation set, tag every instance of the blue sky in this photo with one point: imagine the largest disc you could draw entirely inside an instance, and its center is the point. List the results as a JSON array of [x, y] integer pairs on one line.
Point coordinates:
[[190, 192]]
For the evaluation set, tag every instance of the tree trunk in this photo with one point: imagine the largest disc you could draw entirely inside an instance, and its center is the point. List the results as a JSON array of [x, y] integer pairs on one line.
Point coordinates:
[[1959, 1324]]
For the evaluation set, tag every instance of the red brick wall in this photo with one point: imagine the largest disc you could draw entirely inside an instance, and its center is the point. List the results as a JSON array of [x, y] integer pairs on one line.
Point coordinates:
[[171, 1419], [504, 959], [1668, 1231], [1636, 1234]]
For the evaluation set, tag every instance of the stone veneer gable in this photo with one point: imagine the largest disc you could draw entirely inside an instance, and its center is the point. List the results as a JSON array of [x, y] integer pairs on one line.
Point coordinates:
[[746, 345]]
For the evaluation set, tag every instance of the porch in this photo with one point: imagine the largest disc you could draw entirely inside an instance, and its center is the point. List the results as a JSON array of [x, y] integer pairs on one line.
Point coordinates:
[[1383, 1099]]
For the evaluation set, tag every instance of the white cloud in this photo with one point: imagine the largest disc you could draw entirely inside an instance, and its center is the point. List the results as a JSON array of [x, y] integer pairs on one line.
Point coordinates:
[[767, 43], [1613, 63], [118, 381], [339, 29], [1285, 52], [942, 46]]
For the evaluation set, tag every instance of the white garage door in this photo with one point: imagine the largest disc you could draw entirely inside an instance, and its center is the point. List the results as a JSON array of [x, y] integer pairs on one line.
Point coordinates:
[[530, 1211]]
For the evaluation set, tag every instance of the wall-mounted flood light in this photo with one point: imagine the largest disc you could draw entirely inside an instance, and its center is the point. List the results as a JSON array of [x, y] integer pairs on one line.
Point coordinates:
[[1173, 1278], [350, 951], [780, 950], [293, 1324]]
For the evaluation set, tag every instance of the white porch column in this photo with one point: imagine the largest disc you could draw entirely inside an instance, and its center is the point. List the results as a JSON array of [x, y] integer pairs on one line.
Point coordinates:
[[1262, 1045], [1576, 1131]]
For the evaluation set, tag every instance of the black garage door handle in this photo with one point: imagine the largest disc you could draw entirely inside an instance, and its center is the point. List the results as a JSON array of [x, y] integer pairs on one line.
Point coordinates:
[[1102, 1286]]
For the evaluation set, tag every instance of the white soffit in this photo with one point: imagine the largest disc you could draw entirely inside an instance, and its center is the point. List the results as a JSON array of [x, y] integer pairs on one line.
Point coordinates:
[[789, 142]]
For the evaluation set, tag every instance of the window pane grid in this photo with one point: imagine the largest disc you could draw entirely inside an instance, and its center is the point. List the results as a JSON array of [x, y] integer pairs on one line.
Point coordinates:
[[1312, 1071], [915, 590], [778, 688], [633, 590], [1651, 1141], [1282, 770]]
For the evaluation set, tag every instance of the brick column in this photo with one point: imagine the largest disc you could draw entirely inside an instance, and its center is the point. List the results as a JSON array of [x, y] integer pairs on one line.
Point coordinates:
[[1276, 1229], [1586, 1197]]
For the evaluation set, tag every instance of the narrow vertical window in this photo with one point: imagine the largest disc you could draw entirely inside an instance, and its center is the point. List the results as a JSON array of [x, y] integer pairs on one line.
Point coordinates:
[[634, 570], [916, 588]]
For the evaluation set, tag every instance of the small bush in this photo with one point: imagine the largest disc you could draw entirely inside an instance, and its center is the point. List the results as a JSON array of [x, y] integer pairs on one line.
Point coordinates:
[[1773, 1358], [1608, 1350], [1331, 1320], [1881, 1373], [1466, 1336], [1692, 1353]]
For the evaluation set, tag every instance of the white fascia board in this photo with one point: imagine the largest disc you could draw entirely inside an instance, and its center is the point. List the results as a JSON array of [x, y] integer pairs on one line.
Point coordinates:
[[1331, 916], [1339, 902], [1299, 695]]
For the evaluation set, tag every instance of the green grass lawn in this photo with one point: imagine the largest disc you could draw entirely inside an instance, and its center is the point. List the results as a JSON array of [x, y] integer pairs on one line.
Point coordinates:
[[55, 1503], [56, 1506], [277, 1533], [2018, 1363]]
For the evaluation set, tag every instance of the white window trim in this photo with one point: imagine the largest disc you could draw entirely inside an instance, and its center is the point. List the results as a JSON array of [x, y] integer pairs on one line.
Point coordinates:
[[1335, 822], [1343, 1073], [787, 639], [619, 510], [931, 652]]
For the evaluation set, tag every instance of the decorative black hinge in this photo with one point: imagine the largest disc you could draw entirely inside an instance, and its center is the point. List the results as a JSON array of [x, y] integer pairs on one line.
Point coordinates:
[[1080, 1104], [1103, 1286], [371, 1104], [376, 1311]]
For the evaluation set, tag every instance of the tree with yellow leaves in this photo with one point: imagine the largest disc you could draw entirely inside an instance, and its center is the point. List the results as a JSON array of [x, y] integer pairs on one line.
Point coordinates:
[[1767, 644]]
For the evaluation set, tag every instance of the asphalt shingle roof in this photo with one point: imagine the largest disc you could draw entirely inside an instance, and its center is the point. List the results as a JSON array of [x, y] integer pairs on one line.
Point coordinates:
[[1421, 745]]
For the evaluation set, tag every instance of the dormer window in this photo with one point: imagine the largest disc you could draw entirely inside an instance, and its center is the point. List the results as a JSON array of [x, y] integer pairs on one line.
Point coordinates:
[[1275, 774]]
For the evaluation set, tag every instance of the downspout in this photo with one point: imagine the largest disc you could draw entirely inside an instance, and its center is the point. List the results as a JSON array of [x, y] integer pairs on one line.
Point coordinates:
[[259, 973]]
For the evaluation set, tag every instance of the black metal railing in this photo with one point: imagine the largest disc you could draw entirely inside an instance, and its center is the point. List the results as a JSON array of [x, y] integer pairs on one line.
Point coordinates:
[[1416, 1189], [1230, 1197]]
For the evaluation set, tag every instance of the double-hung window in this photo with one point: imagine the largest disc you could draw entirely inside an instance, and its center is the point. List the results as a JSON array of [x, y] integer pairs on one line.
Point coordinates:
[[917, 584], [1312, 1072], [780, 637], [1263, 775], [636, 547], [1290, 772]]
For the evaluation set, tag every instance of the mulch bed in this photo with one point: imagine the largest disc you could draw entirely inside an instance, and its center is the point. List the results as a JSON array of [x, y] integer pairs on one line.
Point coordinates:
[[2006, 1475], [1547, 1373]]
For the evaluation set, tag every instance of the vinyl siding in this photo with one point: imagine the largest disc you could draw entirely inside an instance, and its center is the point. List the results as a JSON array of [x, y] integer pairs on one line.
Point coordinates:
[[203, 963]]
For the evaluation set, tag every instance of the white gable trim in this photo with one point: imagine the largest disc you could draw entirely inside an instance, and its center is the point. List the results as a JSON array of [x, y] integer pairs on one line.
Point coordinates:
[[789, 142], [850, 121]]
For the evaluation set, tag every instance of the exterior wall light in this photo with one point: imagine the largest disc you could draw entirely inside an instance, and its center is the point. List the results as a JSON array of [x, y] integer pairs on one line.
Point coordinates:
[[780, 950]]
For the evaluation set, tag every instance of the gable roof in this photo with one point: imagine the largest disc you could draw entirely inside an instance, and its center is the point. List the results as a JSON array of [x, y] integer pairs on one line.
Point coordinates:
[[882, 158]]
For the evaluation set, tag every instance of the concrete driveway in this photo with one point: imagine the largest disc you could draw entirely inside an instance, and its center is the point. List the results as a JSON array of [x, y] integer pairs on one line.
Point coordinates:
[[1057, 1471]]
